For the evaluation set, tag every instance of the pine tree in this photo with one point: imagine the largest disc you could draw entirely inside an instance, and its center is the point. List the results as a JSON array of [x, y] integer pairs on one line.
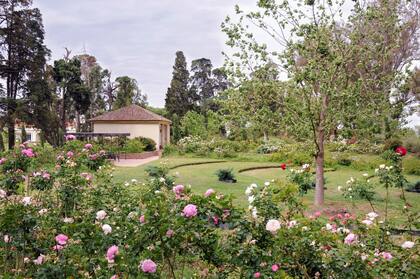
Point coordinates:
[[179, 99]]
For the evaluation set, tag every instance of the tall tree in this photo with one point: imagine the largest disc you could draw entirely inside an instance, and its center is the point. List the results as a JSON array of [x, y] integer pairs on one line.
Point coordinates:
[[74, 95], [202, 84], [22, 50], [179, 99], [316, 53], [128, 92]]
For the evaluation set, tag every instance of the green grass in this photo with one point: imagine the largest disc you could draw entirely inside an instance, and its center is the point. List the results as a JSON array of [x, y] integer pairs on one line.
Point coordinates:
[[202, 177]]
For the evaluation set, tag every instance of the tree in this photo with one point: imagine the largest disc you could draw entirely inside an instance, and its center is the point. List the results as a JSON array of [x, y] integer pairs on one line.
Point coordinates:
[[179, 99], [75, 96], [317, 53], [193, 124], [202, 83], [256, 105], [22, 50], [128, 92]]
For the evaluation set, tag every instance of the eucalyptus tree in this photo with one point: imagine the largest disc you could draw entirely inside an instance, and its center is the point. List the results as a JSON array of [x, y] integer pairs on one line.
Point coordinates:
[[128, 92], [318, 45]]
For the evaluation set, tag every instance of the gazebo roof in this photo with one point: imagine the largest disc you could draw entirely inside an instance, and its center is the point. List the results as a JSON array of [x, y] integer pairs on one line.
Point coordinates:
[[130, 113]]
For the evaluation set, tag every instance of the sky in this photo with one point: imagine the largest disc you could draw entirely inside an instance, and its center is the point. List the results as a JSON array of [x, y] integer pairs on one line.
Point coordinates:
[[139, 38]]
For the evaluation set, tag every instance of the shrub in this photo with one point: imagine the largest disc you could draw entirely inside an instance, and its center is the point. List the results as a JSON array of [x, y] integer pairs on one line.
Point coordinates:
[[226, 175], [414, 187], [149, 144], [411, 165], [170, 149], [267, 149], [135, 145], [366, 163], [303, 178]]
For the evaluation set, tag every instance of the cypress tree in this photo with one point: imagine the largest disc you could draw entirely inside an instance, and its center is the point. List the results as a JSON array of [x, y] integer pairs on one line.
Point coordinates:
[[179, 99]]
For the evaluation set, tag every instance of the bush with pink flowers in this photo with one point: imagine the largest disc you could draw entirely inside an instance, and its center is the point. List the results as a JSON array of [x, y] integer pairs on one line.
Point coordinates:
[[91, 227]]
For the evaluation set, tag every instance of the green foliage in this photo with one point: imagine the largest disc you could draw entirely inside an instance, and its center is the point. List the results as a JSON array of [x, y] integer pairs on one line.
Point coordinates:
[[128, 93], [303, 178], [194, 124], [412, 143], [226, 175], [411, 165]]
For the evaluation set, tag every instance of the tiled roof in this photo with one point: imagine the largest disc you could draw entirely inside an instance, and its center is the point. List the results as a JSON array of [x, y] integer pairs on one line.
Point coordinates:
[[130, 113]]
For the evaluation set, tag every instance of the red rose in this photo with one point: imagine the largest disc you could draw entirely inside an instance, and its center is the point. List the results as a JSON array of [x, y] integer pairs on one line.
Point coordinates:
[[283, 166], [401, 150]]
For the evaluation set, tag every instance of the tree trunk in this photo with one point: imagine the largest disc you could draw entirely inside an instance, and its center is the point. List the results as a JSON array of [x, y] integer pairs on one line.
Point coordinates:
[[11, 132], [319, 157], [319, 173]]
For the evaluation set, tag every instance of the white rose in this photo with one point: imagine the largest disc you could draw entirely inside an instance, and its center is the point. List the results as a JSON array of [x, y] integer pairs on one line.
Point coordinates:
[[407, 245], [372, 215], [272, 225], [68, 220], [43, 211], [3, 194], [100, 215], [251, 199], [106, 229], [26, 201]]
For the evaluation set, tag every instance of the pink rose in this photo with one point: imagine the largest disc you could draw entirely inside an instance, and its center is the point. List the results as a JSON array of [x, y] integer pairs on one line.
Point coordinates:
[[142, 219], [58, 247], [386, 256], [28, 152], [114, 276], [317, 214], [112, 253], [46, 175], [209, 192], [88, 146], [350, 239], [190, 210], [169, 233], [39, 260], [70, 154], [257, 275], [178, 189], [2, 161], [148, 266], [61, 239], [275, 267]]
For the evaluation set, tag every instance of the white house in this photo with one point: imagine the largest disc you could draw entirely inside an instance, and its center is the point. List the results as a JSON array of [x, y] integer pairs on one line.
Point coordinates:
[[135, 120]]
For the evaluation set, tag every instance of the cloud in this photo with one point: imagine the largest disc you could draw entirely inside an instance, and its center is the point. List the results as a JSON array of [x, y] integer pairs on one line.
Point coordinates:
[[138, 38]]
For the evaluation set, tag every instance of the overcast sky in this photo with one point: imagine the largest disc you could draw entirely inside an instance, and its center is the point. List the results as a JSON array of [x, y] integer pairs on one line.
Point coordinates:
[[138, 38]]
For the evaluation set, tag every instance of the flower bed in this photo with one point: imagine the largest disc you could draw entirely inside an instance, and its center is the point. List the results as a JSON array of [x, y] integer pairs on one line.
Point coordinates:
[[87, 226]]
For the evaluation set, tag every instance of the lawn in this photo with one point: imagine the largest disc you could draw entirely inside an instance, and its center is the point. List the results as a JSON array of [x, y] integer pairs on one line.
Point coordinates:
[[201, 177]]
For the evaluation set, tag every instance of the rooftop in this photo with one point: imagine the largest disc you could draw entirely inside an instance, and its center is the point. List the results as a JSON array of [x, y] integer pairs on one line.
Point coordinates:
[[130, 113]]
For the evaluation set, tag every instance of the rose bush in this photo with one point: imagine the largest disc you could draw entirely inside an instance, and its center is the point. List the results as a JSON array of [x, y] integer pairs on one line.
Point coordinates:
[[88, 226]]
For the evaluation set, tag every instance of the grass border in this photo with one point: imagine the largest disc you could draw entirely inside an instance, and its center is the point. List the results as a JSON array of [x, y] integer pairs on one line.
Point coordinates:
[[276, 167], [197, 163]]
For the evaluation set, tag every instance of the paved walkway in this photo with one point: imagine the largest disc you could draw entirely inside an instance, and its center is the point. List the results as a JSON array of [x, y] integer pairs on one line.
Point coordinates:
[[134, 162]]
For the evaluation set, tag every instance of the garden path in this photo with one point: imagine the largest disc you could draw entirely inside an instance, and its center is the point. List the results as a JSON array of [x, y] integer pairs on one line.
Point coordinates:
[[134, 162]]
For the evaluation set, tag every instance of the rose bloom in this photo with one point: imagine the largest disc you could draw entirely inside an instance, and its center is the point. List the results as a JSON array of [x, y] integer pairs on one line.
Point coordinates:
[[272, 225], [7, 238], [275, 267], [61, 239], [42, 211], [100, 215], [367, 222], [88, 146], [386, 256], [70, 154], [283, 166], [26, 201], [3, 194], [58, 247], [2, 161], [257, 275], [291, 224], [111, 253], [40, 260], [372, 215], [178, 189], [142, 219], [190, 210], [209, 192], [148, 266], [106, 229], [169, 233], [407, 245], [401, 150], [114, 276], [350, 239]]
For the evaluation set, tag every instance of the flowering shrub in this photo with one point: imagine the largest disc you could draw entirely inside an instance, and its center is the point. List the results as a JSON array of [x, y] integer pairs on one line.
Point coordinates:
[[88, 226], [42, 180], [303, 178]]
